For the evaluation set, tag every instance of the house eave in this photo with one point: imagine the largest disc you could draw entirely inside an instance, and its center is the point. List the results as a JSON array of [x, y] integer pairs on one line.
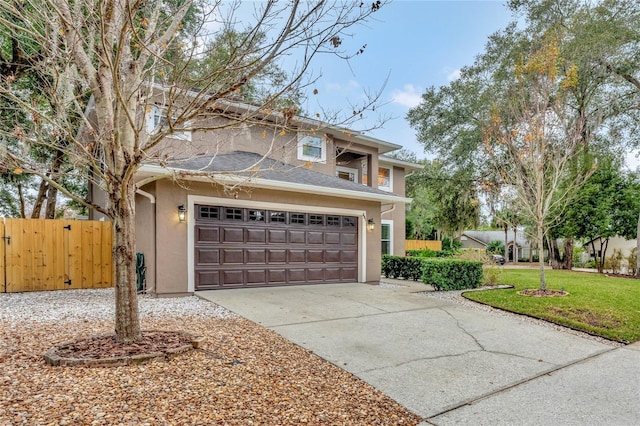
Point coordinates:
[[158, 172]]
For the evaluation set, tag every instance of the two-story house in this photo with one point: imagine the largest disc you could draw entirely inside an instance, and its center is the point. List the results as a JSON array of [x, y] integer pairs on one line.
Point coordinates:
[[257, 205]]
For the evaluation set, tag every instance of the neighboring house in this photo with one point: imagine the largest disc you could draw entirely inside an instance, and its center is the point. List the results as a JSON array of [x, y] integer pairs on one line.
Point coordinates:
[[268, 208], [480, 240], [607, 246]]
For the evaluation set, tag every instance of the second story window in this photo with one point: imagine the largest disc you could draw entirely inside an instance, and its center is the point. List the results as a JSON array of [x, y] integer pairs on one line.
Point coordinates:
[[312, 148], [384, 179], [156, 119]]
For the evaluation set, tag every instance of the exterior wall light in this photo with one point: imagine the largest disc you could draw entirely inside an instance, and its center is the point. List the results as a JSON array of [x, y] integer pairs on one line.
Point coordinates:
[[371, 225], [182, 213]]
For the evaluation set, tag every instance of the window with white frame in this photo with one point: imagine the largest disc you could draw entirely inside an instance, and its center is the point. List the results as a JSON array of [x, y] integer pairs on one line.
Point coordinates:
[[386, 238], [156, 119], [347, 173], [312, 148], [385, 179]]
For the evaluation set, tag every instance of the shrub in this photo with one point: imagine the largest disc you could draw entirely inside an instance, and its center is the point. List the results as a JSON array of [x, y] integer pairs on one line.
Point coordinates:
[[632, 261], [490, 270], [615, 261], [452, 274], [495, 247], [409, 268], [428, 253]]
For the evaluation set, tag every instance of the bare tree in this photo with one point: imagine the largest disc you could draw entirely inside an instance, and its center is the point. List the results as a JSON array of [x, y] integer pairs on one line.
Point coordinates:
[[129, 56], [535, 142]]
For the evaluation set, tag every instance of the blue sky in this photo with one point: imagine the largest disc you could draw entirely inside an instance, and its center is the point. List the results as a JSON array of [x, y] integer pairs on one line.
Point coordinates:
[[413, 44]]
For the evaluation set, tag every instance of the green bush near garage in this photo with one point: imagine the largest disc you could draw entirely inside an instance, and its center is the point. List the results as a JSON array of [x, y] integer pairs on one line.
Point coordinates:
[[442, 274], [452, 274], [408, 268]]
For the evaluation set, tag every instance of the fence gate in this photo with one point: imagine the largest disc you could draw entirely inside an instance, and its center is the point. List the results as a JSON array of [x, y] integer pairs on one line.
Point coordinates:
[[45, 254]]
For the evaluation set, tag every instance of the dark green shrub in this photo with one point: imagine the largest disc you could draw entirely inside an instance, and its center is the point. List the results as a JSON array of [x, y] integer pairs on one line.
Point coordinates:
[[451, 274], [409, 268]]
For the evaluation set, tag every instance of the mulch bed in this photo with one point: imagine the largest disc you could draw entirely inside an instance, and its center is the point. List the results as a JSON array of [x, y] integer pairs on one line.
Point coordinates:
[[543, 293], [241, 374]]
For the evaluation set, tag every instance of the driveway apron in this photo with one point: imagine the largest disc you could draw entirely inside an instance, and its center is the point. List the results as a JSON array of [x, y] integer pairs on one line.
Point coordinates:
[[450, 363]]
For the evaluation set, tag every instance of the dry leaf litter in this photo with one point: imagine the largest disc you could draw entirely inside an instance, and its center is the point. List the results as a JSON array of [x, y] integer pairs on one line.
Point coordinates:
[[243, 374]]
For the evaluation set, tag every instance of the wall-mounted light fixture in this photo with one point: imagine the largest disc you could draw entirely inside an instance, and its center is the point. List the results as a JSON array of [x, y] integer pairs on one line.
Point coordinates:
[[182, 213], [371, 225]]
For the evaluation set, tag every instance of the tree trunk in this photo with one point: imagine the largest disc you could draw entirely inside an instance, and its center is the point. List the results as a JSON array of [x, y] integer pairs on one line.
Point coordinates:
[[568, 254], [506, 242], [123, 213], [638, 250], [21, 198], [543, 283], [554, 254], [37, 206], [515, 245], [52, 192], [604, 251]]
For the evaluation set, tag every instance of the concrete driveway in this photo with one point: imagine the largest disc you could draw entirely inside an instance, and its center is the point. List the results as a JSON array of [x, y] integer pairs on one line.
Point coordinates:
[[450, 363]]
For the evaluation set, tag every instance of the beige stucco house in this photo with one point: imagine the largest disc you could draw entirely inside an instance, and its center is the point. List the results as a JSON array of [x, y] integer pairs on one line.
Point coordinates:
[[258, 205]]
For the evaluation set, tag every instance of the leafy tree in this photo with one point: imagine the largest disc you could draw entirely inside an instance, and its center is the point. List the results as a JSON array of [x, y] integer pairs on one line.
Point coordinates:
[[124, 56], [495, 247]]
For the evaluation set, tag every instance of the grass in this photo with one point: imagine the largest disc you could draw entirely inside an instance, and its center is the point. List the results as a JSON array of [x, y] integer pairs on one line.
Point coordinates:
[[596, 304]]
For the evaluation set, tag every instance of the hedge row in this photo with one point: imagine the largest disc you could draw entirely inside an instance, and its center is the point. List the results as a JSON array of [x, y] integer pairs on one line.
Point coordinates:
[[442, 274]]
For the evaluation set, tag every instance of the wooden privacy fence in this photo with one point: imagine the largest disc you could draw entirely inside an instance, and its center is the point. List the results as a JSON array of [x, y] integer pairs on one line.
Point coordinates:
[[45, 254], [421, 245]]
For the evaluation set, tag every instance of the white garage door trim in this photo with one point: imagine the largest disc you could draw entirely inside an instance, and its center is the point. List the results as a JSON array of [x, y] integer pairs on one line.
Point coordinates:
[[192, 200]]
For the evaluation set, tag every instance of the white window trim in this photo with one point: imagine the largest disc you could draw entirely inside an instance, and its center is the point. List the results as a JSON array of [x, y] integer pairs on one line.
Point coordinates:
[[184, 135], [348, 170], [390, 187], [323, 149], [390, 223]]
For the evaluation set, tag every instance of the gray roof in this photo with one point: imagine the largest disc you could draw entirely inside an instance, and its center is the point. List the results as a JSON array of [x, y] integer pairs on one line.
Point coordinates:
[[487, 236], [254, 165]]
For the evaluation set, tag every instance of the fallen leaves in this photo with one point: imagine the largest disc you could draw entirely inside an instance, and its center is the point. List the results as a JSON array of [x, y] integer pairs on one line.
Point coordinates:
[[242, 374]]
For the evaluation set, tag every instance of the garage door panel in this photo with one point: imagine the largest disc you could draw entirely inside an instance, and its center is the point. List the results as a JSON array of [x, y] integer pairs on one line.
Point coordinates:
[[348, 256], [207, 235], [256, 256], [207, 256], [276, 256], [315, 256], [297, 275], [256, 235], [233, 256], [315, 274], [277, 236], [247, 247], [233, 277], [208, 278], [256, 276], [332, 274], [332, 237], [277, 276], [315, 237], [349, 239], [297, 256], [349, 274], [297, 237], [233, 235], [332, 256]]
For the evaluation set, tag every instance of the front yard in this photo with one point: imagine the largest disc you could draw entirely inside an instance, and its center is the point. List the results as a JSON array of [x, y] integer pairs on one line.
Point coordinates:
[[597, 304], [243, 373]]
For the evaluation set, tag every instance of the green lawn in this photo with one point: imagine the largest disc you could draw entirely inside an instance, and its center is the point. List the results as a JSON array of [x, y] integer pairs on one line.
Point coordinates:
[[607, 307]]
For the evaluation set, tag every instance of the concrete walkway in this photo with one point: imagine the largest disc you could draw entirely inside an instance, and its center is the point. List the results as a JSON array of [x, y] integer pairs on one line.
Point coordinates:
[[449, 363]]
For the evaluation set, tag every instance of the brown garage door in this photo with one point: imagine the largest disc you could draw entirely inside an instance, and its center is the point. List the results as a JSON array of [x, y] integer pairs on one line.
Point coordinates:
[[245, 247]]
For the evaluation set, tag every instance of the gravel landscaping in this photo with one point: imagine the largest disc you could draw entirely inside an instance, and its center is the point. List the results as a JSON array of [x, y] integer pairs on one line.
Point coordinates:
[[242, 373]]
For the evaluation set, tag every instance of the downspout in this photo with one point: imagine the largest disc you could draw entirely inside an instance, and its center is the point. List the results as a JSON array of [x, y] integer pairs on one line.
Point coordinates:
[[390, 210], [152, 200]]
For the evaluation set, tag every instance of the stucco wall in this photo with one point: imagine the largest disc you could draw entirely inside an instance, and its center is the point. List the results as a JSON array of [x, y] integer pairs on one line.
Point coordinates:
[[171, 235]]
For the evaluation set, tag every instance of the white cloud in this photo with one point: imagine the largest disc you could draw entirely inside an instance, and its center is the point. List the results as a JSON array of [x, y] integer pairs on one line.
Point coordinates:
[[409, 96], [342, 87], [453, 75]]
